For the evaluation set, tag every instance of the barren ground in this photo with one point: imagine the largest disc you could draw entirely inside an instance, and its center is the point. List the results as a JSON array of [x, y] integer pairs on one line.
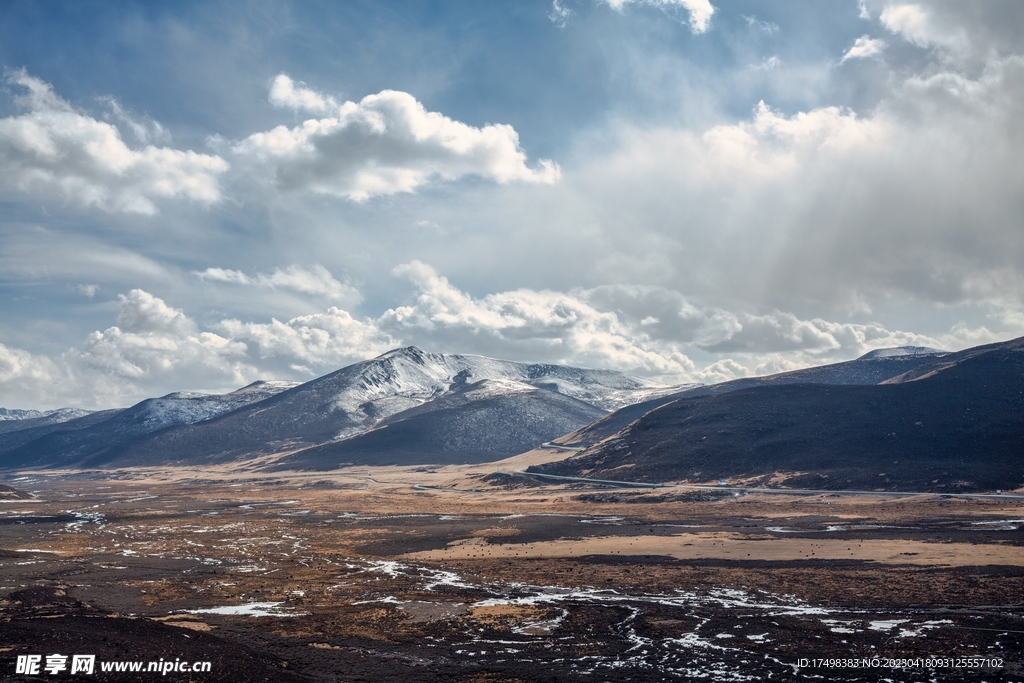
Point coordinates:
[[402, 574]]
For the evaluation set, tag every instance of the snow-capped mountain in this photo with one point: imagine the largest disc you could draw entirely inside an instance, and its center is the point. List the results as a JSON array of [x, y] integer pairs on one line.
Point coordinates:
[[14, 420], [351, 401], [87, 433], [405, 378], [479, 422], [186, 407]]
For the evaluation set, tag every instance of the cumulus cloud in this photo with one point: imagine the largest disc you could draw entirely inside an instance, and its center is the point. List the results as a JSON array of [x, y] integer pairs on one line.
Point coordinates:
[[29, 380], [54, 150], [917, 25], [145, 130], [284, 92], [864, 47], [700, 11], [311, 344], [155, 348], [315, 280], [554, 326], [384, 144], [829, 206]]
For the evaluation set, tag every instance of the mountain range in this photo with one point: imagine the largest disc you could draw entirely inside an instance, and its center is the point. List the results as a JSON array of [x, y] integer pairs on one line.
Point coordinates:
[[952, 422], [908, 418], [405, 405], [873, 367]]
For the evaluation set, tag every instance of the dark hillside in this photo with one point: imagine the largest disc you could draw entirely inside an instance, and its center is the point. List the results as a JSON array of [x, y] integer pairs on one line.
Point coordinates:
[[959, 427], [871, 368], [457, 428]]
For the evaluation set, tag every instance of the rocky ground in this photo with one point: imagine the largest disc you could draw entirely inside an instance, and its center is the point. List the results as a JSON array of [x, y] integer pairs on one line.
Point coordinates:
[[372, 576]]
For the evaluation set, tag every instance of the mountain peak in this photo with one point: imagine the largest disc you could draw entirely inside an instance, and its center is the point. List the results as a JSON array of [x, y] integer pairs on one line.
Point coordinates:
[[901, 351], [412, 352]]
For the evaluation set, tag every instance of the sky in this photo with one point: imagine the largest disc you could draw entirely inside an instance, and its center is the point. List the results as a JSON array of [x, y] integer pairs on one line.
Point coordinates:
[[196, 195]]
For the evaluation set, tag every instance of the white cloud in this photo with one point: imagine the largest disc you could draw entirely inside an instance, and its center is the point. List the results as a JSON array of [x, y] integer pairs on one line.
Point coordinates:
[[385, 144], [155, 348], [88, 290], [559, 14], [27, 379], [768, 27], [824, 206], [918, 26], [864, 47], [700, 10], [285, 93], [315, 280], [311, 344], [54, 150], [551, 326], [145, 131]]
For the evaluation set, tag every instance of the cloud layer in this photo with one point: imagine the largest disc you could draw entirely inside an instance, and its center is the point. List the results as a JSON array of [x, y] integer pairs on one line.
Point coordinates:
[[54, 150], [384, 144], [773, 193], [154, 348], [315, 280]]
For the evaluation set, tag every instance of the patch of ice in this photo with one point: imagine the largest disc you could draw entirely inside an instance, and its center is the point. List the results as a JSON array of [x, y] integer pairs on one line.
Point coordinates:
[[250, 609], [886, 625], [917, 629]]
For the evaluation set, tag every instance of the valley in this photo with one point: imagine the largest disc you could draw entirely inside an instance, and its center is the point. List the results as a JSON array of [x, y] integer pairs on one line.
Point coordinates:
[[425, 517], [422, 574]]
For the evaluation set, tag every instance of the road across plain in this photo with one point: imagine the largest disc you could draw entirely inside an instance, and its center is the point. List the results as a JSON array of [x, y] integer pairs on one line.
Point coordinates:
[[761, 489]]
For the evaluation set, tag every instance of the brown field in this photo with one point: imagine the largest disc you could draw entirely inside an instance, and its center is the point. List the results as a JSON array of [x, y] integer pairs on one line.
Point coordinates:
[[418, 574]]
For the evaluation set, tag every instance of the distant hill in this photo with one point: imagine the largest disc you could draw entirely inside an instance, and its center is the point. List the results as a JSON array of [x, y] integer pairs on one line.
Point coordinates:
[[16, 420], [873, 367], [404, 384], [70, 441], [954, 422], [480, 422]]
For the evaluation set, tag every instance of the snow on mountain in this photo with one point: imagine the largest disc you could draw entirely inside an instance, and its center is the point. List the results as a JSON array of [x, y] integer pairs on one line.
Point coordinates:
[[187, 407], [478, 422], [404, 378], [902, 352], [20, 420], [97, 432], [58, 415], [347, 403]]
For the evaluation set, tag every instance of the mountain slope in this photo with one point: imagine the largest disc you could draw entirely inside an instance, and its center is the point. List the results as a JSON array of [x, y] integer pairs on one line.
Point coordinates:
[[873, 367], [17, 420], [342, 404], [97, 433], [480, 422], [954, 423]]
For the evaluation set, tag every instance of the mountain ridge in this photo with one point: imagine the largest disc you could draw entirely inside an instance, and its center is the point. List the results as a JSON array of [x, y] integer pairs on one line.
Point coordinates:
[[341, 404], [954, 423]]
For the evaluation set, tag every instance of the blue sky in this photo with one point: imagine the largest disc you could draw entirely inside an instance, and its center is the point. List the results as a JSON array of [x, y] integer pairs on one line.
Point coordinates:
[[197, 195]]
